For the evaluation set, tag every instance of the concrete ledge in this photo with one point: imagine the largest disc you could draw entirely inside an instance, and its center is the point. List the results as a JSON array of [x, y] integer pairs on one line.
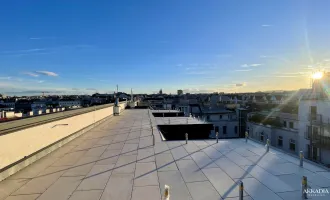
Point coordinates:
[[27, 160], [11, 154]]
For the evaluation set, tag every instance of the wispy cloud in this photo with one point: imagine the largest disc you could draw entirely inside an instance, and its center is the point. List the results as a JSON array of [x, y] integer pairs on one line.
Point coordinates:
[[266, 25], [251, 65], [285, 76], [75, 89], [91, 89], [31, 74], [265, 56], [47, 73], [22, 51], [42, 38], [243, 70], [41, 81], [179, 65], [197, 72], [255, 65], [240, 84], [5, 78]]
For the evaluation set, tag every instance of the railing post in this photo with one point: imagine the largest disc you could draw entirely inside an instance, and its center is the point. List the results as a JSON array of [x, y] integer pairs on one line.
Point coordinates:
[[301, 155], [246, 136], [241, 189], [304, 187], [267, 145], [169, 121], [186, 138], [187, 120], [217, 136]]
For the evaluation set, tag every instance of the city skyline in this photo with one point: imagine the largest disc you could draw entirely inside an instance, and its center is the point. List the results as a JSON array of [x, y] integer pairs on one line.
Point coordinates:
[[197, 46]]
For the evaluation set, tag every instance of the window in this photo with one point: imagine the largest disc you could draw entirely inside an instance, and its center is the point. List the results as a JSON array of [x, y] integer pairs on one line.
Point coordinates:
[[291, 124], [309, 132], [292, 145], [313, 112], [284, 123], [261, 137], [280, 141], [224, 129], [315, 130], [235, 129], [220, 116], [217, 129]]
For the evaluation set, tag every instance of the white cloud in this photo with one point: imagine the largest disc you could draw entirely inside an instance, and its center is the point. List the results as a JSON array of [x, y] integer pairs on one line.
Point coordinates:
[[251, 65], [31, 74], [266, 25], [255, 65], [41, 81], [264, 56], [242, 70], [47, 73]]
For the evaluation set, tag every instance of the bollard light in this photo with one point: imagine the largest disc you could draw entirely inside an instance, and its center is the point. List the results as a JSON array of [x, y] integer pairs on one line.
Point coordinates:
[[186, 138], [241, 189], [217, 136], [246, 136], [304, 187], [167, 192], [267, 145], [301, 155]]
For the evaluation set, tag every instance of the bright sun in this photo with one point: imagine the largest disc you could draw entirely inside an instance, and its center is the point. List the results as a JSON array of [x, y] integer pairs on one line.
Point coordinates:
[[317, 75]]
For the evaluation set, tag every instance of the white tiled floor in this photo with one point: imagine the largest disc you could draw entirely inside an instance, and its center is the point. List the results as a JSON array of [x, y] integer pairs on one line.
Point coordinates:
[[116, 161]]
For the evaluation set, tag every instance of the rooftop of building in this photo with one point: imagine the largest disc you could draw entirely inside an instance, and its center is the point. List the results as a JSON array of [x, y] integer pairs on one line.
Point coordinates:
[[117, 160]]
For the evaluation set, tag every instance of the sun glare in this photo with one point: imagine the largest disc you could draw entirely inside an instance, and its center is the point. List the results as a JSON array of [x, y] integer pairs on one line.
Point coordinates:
[[317, 75]]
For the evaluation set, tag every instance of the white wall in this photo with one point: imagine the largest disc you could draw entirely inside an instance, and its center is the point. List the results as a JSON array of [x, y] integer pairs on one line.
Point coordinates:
[[273, 133], [230, 129], [16, 145], [323, 108]]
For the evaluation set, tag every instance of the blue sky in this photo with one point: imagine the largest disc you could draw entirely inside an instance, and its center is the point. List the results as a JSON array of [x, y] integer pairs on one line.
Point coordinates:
[[199, 46]]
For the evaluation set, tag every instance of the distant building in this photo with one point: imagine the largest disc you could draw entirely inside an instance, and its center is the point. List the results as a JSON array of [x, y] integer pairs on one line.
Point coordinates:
[[180, 92]]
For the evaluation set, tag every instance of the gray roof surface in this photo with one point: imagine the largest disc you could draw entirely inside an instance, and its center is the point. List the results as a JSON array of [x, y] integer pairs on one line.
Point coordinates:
[[116, 160]]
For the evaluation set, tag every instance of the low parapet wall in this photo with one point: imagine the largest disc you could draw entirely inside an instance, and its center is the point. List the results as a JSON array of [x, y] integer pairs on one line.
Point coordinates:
[[21, 148]]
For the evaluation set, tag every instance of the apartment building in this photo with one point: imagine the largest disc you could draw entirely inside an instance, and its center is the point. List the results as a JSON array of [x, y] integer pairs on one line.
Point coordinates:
[[280, 128]]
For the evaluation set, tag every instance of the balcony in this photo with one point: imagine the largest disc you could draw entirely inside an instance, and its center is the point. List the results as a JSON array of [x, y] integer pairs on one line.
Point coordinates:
[[316, 119], [321, 141]]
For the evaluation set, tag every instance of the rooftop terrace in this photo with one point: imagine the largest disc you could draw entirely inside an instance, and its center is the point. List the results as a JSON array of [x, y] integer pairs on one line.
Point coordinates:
[[117, 160]]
